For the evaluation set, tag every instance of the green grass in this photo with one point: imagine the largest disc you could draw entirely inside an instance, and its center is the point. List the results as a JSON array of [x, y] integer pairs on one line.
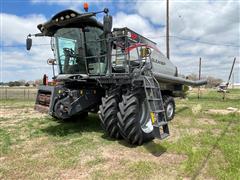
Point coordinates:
[[5, 142], [201, 145]]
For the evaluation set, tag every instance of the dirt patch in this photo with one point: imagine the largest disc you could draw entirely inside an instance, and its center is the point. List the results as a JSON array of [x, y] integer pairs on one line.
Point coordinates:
[[116, 160], [131, 155], [206, 121], [175, 135], [193, 131], [78, 173], [186, 126], [223, 111], [196, 109], [20, 112], [2, 159], [216, 132], [181, 121], [17, 115]]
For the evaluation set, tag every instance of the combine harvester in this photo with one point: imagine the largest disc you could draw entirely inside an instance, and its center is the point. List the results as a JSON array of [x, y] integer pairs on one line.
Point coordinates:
[[118, 73]]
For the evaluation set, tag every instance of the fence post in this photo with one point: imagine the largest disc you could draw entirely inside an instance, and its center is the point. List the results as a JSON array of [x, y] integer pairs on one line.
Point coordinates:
[[24, 93], [6, 93], [28, 94]]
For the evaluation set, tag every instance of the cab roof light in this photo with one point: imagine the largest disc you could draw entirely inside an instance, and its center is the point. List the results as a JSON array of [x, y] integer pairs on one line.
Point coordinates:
[[85, 6], [72, 14]]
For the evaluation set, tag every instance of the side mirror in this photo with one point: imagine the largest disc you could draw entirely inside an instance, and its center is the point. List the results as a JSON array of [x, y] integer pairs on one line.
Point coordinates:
[[28, 43], [107, 24], [51, 62], [145, 52]]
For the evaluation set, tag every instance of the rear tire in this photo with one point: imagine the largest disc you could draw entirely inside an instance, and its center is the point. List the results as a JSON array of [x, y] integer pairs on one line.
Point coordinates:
[[134, 119], [169, 106], [108, 116]]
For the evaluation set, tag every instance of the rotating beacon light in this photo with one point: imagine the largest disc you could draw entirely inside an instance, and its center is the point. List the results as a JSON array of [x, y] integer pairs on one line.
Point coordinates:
[[85, 6]]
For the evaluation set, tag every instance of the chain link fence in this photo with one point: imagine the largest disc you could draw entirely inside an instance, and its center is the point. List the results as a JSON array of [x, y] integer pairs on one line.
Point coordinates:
[[18, 93]]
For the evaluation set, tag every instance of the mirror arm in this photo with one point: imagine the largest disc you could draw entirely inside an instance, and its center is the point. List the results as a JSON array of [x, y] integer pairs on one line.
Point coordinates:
[[106, 10], [35, 35]]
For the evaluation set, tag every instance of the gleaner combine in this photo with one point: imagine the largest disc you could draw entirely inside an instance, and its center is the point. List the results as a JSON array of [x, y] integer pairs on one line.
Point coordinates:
[[118, 73]]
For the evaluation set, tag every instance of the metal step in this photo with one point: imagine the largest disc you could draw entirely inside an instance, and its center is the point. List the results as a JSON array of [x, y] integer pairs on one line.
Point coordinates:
[[151, 87], [162, 123], [153, 99], [158, 111], [158, 134]]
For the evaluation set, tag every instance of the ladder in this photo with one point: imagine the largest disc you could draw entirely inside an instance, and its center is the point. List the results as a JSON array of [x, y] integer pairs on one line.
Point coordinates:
[[156, 107]]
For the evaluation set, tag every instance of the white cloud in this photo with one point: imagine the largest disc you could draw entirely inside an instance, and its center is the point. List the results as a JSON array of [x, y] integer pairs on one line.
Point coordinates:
[[15, 29], [71, 4], [216, 22], [16, 61]]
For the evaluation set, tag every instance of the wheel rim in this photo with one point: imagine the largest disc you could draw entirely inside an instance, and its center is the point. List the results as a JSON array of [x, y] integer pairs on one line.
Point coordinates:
[[145, 120], [169, 110]]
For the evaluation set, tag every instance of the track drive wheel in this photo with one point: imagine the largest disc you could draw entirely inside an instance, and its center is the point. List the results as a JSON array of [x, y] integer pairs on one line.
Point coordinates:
[[134, 119], [108, 116]]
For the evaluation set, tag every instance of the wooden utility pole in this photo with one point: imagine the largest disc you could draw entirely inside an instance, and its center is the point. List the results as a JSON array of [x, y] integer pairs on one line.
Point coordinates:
[[167, 30], [199, 75]]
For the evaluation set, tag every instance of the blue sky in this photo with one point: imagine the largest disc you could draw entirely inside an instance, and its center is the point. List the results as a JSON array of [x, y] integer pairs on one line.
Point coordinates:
[[201, 28]]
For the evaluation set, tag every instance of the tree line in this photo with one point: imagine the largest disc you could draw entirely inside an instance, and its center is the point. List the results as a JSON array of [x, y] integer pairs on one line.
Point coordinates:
[[21, 83]]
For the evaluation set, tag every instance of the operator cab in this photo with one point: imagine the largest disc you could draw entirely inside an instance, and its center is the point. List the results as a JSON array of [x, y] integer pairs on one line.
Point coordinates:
[[78, 42], [76, 56]]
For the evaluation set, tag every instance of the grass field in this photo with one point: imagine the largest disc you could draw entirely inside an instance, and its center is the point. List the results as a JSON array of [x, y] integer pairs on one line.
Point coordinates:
[[204, 144]]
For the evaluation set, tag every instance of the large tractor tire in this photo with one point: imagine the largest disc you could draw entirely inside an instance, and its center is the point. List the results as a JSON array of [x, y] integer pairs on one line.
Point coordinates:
[[169, 106], [134, 119], [108, 116]]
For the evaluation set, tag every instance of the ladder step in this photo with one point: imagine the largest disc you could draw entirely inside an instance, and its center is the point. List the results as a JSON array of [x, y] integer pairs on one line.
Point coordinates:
[[158, 134], [151, 87], [158, 111], [153, 99], [160, 123], [164, 135]]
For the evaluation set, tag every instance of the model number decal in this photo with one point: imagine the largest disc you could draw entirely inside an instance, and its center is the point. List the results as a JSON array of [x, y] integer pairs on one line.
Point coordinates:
[[158, 61]]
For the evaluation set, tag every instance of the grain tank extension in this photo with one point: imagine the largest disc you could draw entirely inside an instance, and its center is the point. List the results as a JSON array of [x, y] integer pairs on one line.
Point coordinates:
[[116, 72]]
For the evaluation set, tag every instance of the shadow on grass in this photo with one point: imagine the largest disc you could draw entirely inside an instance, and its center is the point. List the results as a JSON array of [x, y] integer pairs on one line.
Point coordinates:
[[65, 128], [154, 148]]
